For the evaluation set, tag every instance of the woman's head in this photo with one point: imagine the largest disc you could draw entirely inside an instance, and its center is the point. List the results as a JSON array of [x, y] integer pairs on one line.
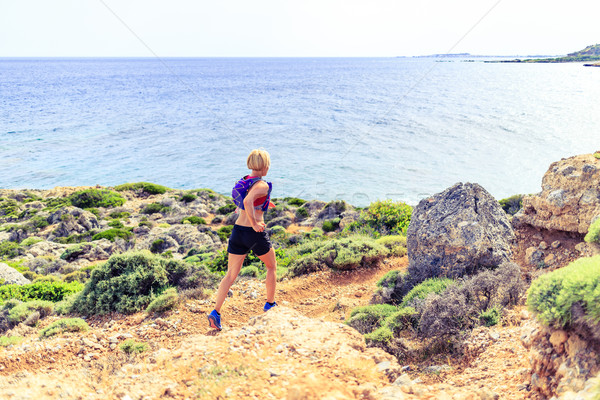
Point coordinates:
[[259, 160]]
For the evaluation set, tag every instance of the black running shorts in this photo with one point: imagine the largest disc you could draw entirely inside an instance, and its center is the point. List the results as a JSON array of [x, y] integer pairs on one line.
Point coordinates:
[[245, 238]]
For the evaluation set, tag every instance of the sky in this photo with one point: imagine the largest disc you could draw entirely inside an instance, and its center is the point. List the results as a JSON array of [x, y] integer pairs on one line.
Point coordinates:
[[302, 28]]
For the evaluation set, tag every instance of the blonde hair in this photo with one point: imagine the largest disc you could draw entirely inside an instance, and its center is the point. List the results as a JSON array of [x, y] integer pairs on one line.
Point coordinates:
[[258, 160]]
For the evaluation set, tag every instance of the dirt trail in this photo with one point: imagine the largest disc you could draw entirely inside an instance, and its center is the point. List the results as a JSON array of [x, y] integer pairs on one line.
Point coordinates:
[[326, 296]]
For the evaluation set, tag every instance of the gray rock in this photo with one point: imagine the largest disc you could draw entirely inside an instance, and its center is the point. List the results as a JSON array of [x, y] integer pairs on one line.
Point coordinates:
[[12, 276], [72, 220], [457, 232], [45, 248]]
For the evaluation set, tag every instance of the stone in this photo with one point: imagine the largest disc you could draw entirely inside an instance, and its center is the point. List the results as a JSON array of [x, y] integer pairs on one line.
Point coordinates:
[[402, 380], [457, 232], [72, 220], [570, 196], [558, 338], [556, 244], [533, 256], [12, 276], [543, 245], [549, 259]]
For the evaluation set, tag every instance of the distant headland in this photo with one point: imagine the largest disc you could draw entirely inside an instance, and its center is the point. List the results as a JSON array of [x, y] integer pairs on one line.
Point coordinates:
[[590, 53]]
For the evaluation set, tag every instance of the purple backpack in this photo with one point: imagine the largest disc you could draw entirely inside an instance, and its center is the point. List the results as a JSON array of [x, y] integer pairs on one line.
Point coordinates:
[[241, 188]]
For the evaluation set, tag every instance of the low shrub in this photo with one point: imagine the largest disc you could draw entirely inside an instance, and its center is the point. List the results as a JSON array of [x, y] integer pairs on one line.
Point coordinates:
[[131, 346], [224, 232], [389, 280], [128, 282], [73, 252], [294, 201], [76, 276], [366, 319], [491, 316], [164, 302], [593, 235], [424, 289], [9, 249], [511, 205], [395, 243], [226, 209], [31, 241], [194, 220], [92, 198], [23, 311], [250, 270], [113, 233], [143, 187], [115, 223], [345, 253], [301, 213], [387, 217], [119, 214], [554, 296], [38, 222], [39, 290], [64, 325], [6, 341], [331, 225], [188, 197], [459, 307], [155, 208]]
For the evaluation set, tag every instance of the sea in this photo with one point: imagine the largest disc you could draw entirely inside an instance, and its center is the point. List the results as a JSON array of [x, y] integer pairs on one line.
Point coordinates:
[[355, 129]]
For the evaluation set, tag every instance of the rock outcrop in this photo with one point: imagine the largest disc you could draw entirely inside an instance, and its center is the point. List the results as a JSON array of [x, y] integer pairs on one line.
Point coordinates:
[[561, 361], [11, 276], [570, 196], [72, 220], [457, 232]]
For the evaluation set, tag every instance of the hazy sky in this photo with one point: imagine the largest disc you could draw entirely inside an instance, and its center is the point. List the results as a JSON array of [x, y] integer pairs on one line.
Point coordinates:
[[295, 28]]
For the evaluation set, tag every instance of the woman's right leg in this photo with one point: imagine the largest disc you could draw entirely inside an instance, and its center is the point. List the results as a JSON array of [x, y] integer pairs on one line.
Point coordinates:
[[234, 264]]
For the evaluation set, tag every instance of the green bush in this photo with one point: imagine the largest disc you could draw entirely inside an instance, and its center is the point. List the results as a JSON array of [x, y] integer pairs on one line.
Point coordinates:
[[31, 241], [119, 214], [96, 198], [366, 319], [593, 235], [131, 346], [387, 217], [491, 316], [224, 232], [113, 233], [6, 341], [194, 220], [403, 318], [389, 280], [395, 243], [128, 282], [188, 197], [73, 252], [154, 208], [22, 311], [39, 222], [145, 187], [9, 249], [301, 213], [345, 253], [164, 302], [555, 295], [251, 270], [115, 223], [380, 336], [226, 209], [331, 225], [9, 208], [425, 288], [39, 290], [65, 325], [294, 201], [512, 204]]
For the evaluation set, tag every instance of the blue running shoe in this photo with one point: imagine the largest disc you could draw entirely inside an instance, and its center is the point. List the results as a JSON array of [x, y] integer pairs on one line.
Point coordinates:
[[214, 320], [268, 306]]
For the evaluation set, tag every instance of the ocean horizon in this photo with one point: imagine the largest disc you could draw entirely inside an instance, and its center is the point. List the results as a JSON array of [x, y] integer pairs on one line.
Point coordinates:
[[357, 129]]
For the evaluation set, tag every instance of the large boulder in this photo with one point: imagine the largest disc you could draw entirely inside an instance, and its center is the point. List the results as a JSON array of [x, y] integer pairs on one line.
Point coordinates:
[[570, 196], [11, 276], [457, 232]]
